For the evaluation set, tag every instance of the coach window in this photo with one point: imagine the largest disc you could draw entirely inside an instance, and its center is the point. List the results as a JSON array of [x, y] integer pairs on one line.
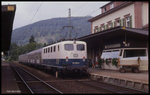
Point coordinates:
[[48, 50], [54, 48], [58, 47], [51, 49], [69, 47], [80, 47]]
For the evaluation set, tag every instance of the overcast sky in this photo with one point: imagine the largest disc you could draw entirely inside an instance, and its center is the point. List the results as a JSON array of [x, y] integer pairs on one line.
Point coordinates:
[[30, 12]]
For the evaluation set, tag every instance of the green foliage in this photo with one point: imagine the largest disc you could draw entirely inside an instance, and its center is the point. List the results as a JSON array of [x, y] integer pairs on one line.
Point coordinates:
[[45, 44], [31, 40], [100, 62], [16, 50], [114, 61], [107, 61], [13, 53]]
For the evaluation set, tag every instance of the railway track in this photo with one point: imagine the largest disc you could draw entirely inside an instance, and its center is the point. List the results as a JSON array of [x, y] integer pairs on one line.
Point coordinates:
[[69, 84], [34, 84]]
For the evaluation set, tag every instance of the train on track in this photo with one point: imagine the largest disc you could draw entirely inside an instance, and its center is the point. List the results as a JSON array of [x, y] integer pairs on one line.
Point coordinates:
[[64, 56]]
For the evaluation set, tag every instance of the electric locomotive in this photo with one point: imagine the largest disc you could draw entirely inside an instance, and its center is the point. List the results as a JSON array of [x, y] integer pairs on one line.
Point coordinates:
[[64, 56]]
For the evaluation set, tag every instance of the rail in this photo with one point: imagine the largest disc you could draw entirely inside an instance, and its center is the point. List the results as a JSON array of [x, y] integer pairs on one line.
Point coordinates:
[[35, 77]]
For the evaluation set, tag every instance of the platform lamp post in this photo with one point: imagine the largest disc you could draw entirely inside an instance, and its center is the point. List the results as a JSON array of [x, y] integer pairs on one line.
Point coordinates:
[[125, 41]]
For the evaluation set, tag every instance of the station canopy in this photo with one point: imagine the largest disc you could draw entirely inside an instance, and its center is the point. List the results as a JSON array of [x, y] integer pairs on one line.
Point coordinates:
[[115, 35], [8, 13]]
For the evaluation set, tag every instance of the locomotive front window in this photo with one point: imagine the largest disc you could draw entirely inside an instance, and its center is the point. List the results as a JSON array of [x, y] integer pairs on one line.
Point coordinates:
[[80, 47], [68, 47]]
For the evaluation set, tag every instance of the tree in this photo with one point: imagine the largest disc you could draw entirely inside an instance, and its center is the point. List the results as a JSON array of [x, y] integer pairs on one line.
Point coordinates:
[[31, 40], [13, 52], [45, 44]]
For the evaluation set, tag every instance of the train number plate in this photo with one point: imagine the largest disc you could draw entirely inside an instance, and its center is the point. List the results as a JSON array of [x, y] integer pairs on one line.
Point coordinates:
[[75, 62], [75, 55]]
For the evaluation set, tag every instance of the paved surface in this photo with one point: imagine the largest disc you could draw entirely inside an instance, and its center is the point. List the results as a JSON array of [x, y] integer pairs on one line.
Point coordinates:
[[139, 77], [8, 81]]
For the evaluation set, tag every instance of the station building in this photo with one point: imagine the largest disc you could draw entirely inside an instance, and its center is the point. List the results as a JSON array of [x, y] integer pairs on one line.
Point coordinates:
[[120, 24]]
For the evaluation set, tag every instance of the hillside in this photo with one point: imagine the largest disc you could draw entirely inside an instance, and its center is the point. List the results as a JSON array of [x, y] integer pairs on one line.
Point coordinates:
[[51, 30]]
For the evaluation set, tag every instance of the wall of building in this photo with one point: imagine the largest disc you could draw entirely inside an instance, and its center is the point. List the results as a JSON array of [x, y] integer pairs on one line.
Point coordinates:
[[111, 17], [145, 13]]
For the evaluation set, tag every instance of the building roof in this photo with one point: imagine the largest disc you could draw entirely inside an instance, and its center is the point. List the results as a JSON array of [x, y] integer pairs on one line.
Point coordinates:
[[110, 11], [35, 51], [138, 31], [8, 13], [113, 35], [106, 4], [118, 29]]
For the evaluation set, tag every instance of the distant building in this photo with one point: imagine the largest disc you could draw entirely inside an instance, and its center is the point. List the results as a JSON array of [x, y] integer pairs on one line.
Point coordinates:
[[128, 14]]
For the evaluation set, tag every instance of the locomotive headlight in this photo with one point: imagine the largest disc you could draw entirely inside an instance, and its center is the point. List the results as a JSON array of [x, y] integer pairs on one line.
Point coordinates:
[[67, 59], [83, 58]]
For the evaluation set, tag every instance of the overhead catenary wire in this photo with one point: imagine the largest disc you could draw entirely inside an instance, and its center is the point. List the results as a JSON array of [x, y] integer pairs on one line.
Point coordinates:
[[36, 12]]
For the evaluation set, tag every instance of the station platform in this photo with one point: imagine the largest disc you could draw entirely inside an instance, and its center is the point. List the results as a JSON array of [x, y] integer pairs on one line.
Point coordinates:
[[8, 82], [138, 81]]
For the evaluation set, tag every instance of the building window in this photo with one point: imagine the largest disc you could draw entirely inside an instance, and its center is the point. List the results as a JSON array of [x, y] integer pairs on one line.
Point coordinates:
[[128, 20], [102, 27], [111, 6], [95, 29], [105, 9], [117, 22], [109, 25], [98, 29]]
